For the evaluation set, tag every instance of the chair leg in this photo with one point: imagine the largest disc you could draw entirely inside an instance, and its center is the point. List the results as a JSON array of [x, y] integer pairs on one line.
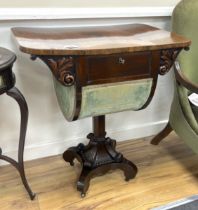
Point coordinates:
[[161, 135], [16, 94]]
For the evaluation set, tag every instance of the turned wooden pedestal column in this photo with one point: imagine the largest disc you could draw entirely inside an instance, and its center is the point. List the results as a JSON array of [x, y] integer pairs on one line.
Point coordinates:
[[98, 157]]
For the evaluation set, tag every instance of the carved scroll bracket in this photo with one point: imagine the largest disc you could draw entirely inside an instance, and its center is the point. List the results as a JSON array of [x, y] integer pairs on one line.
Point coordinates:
[[167, 58], [62, 68]]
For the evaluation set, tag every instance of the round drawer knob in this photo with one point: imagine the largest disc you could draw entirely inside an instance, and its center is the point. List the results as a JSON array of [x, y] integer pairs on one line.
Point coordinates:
[[121, 61]]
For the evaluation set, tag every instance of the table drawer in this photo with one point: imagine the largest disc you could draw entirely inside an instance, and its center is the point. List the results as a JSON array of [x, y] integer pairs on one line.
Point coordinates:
[[101, 69]]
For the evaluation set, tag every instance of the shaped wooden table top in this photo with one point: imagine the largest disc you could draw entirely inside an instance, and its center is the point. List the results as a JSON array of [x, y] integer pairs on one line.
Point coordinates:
[[96, 40]]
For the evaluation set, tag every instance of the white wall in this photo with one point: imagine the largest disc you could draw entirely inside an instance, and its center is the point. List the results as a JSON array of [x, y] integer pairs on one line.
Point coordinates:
[[48, 132]]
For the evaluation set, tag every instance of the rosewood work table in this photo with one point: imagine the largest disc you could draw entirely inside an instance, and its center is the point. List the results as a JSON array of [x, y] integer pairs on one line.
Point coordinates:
[[100, 70]]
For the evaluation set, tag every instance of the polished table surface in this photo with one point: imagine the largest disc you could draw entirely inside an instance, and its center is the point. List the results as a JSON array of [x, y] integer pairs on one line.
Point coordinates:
[[96, 40], [100, 70]]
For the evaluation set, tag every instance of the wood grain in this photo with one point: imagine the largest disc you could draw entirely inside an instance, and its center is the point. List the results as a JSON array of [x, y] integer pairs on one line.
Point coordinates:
[[95, 40], [167, 173], [106, 69]]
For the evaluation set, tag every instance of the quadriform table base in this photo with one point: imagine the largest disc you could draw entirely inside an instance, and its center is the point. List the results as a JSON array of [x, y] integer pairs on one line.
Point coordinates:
[[101, 70], [98, 157]]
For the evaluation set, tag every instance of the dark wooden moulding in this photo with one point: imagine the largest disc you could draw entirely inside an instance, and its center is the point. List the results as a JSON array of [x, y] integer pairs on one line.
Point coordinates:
[[99, 66]]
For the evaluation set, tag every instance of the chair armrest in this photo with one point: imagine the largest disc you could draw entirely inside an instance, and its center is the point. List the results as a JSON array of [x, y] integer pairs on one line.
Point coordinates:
[[181, 79]]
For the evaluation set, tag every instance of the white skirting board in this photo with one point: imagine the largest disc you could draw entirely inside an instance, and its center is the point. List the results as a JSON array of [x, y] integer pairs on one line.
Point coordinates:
[[35, 151]]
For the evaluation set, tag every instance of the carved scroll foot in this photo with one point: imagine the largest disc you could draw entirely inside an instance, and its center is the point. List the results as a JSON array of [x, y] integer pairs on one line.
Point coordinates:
[[97, 158], [70, 154], [161, 135]]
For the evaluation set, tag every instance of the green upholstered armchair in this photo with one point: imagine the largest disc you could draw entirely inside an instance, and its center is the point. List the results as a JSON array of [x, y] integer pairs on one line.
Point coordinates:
[[183, 117]]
